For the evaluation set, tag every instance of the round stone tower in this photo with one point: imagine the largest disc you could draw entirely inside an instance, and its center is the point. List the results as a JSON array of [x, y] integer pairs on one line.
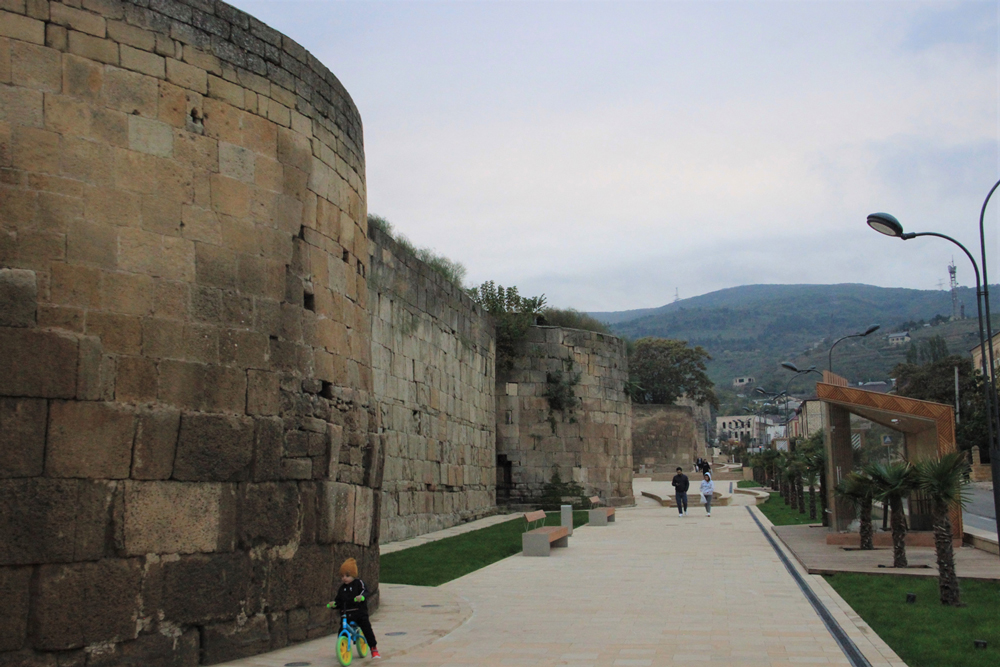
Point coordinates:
[[187, 437]]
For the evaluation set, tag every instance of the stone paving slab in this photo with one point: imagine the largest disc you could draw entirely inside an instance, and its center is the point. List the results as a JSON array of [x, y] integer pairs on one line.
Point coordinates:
[[811, 550]]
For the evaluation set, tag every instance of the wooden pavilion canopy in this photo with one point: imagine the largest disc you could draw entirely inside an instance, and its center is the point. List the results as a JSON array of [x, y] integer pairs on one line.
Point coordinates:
[[928, 432]]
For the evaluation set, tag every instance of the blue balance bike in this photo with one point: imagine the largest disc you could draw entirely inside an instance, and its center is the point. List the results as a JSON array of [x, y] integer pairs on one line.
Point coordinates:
[[349, 637]]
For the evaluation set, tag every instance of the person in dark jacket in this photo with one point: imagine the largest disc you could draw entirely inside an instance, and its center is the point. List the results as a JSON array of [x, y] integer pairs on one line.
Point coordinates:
[[681, 485], [705, 466], [351, 600]]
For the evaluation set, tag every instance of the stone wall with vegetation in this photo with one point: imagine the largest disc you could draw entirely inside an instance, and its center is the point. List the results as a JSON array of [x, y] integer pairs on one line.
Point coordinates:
[[590, 441], [433, 354], [667, 436], [188, 441]]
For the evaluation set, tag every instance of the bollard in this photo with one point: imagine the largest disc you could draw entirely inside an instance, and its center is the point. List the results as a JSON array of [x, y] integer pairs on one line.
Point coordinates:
[[566, 517], [911, 598]]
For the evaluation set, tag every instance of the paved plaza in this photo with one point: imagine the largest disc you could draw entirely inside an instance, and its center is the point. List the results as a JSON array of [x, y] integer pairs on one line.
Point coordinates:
[[651, 589]]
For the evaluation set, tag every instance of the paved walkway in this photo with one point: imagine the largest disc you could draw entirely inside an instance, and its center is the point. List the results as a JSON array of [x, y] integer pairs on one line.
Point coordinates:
[[810, 547], [652, 589]]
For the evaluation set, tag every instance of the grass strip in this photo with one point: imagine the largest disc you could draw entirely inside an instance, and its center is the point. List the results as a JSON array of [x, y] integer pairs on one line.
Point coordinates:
[[435, 563], [779, 514], [748, 484], [926, 633]]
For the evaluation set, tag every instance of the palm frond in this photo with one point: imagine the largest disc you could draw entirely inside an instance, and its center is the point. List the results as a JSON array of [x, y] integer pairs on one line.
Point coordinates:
[[943, 480]]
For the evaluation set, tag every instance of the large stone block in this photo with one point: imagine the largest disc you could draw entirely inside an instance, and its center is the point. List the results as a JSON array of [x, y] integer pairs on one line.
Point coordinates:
[[36, 363], [85, 603], [22, 436], [305, 579], [238, 639], [53, 520], [269, 513], [18, 298], [177, 517], [14, 610], [337, 512], [205, 588], [268, 438], [152, 650], [155, 444], [215, 448], [89, 440]]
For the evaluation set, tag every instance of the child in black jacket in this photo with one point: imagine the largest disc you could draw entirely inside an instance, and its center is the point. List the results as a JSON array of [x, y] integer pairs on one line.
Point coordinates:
[[351, 600]]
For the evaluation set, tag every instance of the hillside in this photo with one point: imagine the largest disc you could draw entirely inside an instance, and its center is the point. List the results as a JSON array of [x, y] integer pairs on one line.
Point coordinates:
[[750, 330]]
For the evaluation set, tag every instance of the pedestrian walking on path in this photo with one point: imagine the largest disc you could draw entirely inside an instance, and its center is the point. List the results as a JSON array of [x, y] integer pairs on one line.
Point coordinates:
[[707, 489], [681, 485]]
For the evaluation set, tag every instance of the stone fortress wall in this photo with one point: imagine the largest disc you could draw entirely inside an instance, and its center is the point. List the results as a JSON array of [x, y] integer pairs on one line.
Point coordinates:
[[188, 440], [433, 353], [591, 444], [667, 436]]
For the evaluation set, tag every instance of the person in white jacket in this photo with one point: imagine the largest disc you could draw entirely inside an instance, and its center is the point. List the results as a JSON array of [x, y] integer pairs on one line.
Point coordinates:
[[707, 489]]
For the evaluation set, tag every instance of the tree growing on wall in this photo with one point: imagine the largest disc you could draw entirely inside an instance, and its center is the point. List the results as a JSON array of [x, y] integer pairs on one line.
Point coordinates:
[[667, 369], [511, 312]]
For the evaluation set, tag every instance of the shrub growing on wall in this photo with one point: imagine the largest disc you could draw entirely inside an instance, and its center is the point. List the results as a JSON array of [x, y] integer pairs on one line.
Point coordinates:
[[512, 313], [453, 272]]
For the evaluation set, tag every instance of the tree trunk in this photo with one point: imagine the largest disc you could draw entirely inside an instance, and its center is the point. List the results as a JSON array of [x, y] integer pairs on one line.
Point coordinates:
[[865, 512], [812, 502], [898, 521], [822, 496], [947, 579], [800, 492], [774, 478]]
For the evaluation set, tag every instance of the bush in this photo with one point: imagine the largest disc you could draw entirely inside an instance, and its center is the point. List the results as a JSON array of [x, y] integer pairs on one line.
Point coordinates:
[[571, 318], [452, 271]]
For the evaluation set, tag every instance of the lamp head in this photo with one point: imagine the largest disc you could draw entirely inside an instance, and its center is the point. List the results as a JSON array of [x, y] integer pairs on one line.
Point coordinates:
[[883, 223], [872, 329], [790, 366], [760, 391]]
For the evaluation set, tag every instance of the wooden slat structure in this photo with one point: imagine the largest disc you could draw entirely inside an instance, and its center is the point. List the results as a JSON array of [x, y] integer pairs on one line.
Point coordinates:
[[928, 432]]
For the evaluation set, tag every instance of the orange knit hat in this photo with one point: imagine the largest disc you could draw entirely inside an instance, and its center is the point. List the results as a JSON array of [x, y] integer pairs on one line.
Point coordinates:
[[349, 568]]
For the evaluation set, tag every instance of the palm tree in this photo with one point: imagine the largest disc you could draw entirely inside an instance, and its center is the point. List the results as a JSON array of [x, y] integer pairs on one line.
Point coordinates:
[[943, 482], [858, 488], [893, 482]]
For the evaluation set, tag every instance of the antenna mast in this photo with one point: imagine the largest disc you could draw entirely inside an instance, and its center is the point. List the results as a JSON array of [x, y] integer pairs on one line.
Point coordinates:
[[677, 295], [957, 312]]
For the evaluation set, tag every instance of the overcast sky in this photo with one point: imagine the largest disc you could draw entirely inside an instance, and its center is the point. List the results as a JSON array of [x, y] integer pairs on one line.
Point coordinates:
[[607, 154]]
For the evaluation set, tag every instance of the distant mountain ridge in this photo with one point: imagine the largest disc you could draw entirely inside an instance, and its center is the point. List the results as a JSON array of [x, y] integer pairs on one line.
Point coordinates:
[[749, 329]]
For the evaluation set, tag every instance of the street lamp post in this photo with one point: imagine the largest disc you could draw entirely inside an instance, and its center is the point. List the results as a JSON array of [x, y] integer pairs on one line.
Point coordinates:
[[795, 369], [890, 226], [872, 329]]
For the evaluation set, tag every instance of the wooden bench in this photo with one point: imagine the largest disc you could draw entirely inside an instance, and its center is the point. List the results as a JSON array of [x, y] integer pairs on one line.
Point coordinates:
[[539, 541], [600, 516]]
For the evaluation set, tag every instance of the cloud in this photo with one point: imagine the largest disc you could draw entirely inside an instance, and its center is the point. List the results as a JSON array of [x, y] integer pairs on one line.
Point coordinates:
[[606, 153]]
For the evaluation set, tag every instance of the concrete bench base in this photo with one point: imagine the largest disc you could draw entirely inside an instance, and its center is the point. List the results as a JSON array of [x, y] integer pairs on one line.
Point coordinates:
[[601, 516], [539, 542]]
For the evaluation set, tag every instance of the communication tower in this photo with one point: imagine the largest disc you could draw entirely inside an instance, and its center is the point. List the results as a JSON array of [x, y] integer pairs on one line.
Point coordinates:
[[957, 309]]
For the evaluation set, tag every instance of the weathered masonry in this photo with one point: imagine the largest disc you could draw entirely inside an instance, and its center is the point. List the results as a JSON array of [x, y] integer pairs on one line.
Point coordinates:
[[590, 443], [432, 353], [188, 439]]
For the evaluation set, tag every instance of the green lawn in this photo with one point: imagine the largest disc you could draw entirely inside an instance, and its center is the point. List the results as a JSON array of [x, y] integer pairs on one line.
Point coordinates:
[[927, 634], [747, 484], [438, 562], [784, 515]]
